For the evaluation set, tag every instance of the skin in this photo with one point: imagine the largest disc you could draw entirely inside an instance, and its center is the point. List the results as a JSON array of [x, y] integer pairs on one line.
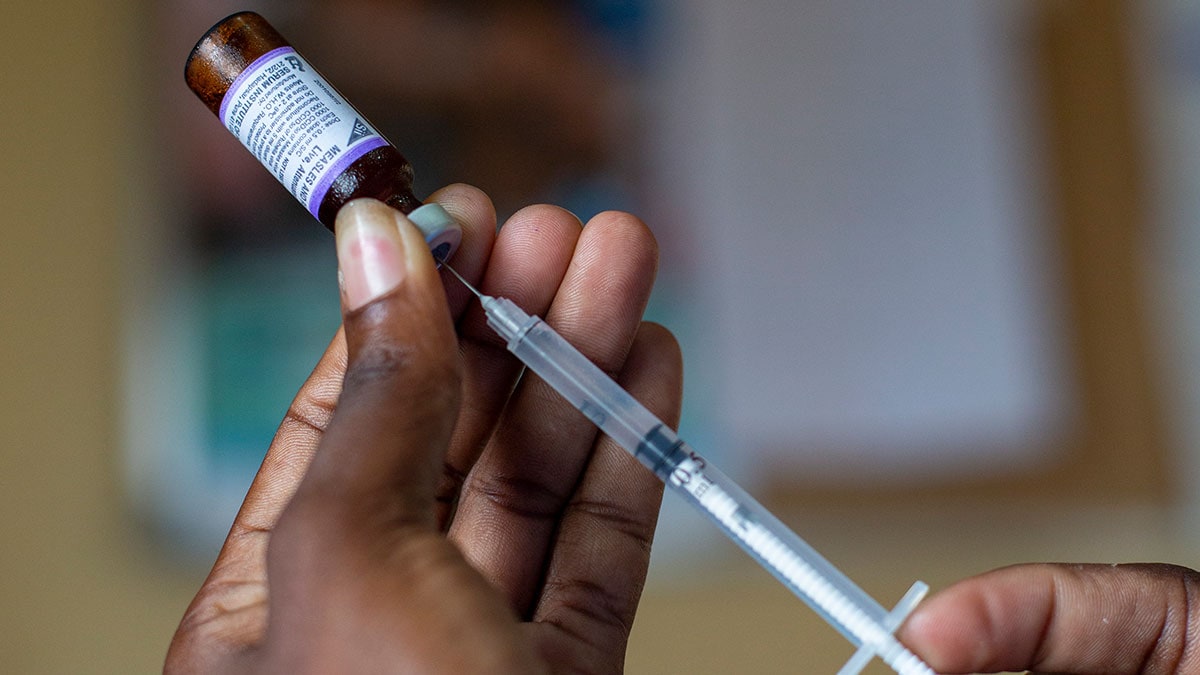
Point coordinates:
[[425, 508], [1076, 619]]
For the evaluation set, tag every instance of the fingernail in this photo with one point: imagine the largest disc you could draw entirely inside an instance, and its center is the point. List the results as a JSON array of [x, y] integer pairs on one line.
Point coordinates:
[[371, 255]]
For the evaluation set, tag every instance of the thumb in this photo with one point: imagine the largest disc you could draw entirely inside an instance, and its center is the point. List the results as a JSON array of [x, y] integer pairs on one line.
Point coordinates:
[[358, 572], [385, 445], [1113, 619]]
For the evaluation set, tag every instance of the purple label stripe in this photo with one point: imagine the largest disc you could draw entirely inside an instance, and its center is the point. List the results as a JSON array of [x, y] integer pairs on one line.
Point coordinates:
[[349, 156], [250, 71]]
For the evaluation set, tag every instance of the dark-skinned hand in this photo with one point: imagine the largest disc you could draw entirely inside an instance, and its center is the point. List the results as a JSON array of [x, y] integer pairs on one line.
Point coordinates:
[[441, 513], [427, 508]]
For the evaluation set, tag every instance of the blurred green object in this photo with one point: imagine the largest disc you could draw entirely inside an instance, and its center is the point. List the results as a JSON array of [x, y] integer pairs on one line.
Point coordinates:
[[267, 318]]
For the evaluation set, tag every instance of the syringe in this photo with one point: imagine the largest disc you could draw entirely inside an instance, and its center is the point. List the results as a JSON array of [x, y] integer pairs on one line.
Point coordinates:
[[781, 552]]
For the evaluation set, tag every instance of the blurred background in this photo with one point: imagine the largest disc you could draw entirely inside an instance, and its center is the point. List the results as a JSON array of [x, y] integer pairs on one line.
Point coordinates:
[[933, 267]]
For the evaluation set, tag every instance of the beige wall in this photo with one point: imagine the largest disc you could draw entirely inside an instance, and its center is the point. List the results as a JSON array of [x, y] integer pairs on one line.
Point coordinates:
[[80, 590]]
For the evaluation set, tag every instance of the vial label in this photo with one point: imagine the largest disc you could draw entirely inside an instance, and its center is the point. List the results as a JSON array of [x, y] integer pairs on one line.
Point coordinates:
[[296, 124]]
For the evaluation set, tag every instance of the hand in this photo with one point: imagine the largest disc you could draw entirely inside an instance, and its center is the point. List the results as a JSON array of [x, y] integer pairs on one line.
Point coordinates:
[[349, 555], [1076, 619]]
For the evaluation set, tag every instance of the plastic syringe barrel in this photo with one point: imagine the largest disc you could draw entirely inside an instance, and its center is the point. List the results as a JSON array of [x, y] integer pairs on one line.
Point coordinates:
[[788, 557], [578, 380]]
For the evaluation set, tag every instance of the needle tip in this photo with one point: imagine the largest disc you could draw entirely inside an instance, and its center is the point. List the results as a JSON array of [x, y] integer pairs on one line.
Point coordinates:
[[446, 265]]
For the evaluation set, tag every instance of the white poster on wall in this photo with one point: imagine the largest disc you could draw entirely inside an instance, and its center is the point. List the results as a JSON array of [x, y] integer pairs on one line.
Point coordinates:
[[859, 184]]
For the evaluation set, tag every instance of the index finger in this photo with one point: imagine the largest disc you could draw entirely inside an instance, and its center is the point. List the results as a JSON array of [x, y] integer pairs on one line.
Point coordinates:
[[1110, 619]]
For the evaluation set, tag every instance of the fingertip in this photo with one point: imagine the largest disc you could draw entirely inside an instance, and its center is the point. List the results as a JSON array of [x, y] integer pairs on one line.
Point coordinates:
[[943, 636], [623, 220], [539, 217], [473, 210], [612, 269], [627, 228], [468, 204], [371, 253], [995, 620], [623, 251], [532, 253]]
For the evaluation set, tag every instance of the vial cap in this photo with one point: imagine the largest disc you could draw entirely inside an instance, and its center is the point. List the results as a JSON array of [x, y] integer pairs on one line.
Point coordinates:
[[442, 232]]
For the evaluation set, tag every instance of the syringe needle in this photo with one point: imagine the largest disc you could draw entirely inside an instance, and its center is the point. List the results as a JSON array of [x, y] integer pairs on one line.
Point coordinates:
[[503, 315], [446, 265]]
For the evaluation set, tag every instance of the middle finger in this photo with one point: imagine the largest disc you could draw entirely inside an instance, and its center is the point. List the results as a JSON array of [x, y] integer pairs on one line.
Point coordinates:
[[526, 264], [517, 490]]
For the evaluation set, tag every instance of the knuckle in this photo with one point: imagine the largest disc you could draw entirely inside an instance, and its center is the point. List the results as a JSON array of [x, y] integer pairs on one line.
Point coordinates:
[[435, 371], [636, 526], [587, 609], [310, 414], [379, 363], [450, 484], [521, 496], [1171, 618], [1173, 650]]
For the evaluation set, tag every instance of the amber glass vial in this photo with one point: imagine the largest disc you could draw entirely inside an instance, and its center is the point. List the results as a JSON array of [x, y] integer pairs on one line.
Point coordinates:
[[301, 129]]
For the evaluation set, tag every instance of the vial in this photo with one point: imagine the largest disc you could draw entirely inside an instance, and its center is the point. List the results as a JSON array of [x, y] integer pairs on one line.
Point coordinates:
[[302, 130]]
